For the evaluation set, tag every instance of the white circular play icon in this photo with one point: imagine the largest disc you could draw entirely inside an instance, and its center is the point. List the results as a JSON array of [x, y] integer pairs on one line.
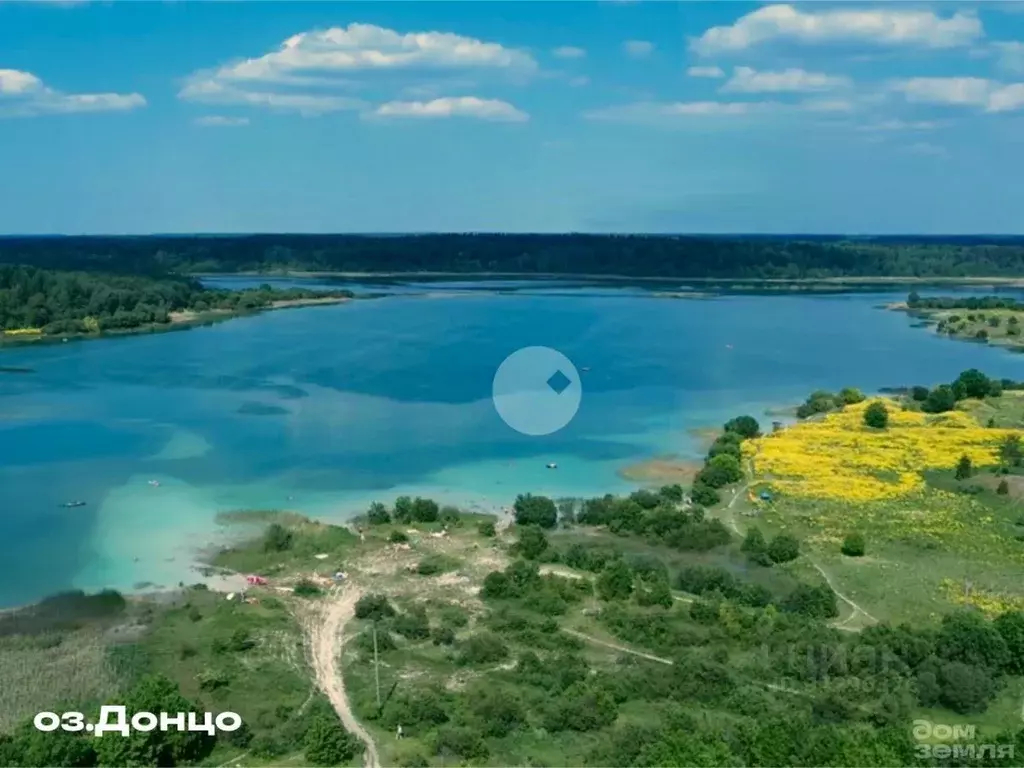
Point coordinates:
[[537, 391]]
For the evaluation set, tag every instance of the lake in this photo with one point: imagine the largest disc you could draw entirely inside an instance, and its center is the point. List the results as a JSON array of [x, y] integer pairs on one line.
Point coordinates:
[[322, 410]]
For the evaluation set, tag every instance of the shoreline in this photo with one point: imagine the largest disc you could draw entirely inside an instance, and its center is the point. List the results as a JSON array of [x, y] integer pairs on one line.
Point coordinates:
[[179, 320], [929, 319], [866, 280]]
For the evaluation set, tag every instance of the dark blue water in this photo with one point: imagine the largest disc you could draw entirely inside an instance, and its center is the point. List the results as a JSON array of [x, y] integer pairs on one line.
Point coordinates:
[[323, 409]]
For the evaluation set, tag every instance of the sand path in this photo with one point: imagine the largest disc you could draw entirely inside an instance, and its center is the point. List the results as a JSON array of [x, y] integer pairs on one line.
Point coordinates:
[[327, 639]]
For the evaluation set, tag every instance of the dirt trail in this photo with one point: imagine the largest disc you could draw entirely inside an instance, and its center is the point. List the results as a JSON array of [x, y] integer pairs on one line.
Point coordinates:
[[856, 608], [327, 638]]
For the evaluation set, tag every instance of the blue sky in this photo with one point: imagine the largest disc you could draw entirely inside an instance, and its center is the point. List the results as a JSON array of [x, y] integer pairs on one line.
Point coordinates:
[[139, 117]]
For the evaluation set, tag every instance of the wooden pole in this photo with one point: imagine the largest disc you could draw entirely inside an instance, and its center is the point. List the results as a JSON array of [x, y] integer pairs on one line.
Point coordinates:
[[376, 665]]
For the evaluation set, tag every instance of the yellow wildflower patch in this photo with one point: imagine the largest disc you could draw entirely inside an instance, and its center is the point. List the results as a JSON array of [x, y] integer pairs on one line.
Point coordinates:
[[23, 332], [989, 603], [839, 458]]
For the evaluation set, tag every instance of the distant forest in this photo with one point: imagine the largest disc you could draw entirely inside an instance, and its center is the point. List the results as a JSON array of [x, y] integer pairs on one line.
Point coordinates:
[[719, 257], [58, 302]]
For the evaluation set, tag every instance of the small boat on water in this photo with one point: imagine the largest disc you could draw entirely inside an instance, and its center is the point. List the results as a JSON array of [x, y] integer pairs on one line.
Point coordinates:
[[155, 483], [584, 369], [552, 465], [70, 504]]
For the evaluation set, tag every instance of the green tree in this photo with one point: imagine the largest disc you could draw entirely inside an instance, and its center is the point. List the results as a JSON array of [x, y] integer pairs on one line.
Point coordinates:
[[1010, 626], [1011, 452], [783, 548], [964, 468], [919, 394], [28, 746], [966, 636], [403, 510], [744, 426], [535, 510], [155, 693], [940, 400], [973, 382], [816, 602], [532, 542], [374, 607], [277, 538], [703, 494], [615, 582], [425, 510], [851, 396], [487, 529], [378, 514], [721, 470], [876, 415], [853, 545], [328, 743]]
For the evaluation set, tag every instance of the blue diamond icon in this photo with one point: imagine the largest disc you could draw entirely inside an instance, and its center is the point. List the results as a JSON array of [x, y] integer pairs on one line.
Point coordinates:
[[559, 382]]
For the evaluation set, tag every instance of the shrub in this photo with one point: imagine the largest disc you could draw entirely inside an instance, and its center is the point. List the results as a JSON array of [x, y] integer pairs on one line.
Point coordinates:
[[306, 588], [964, 468], [1003, 488], [483, 648], [374, 607], [783, 548], [703, 494], [744, 426], [398, 537], [412, 625], [532, 542], [721, 470], [615, 582], [853, 545], [328, 743], [876, 416], [277, 538], [378, 514], [535, 510], [851, 396], [487, 529]]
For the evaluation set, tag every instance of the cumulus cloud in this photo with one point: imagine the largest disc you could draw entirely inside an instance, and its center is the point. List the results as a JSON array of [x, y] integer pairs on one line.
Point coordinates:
[[462, 106], [794, 80], [361, 47], [306, 71], [1011, 55], [219, 121], [638, 49], [989, 95], [710, 72], [568, 52], [24, 94], [878, 25]]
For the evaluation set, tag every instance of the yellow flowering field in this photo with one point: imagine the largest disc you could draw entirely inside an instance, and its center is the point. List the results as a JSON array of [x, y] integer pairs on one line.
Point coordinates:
[[839, 458]]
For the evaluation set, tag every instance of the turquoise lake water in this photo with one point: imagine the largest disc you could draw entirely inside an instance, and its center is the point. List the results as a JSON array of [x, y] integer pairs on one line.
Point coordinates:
[[325, 409]]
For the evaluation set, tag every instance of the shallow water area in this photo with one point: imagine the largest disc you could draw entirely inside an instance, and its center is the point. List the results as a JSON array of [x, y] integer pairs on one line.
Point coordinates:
[[322, 410]]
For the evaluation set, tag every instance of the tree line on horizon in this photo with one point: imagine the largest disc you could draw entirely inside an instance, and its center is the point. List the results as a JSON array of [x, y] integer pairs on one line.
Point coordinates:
[[670, 256]]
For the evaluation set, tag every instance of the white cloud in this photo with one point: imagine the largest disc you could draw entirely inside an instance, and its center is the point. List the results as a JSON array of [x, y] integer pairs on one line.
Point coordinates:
[[568, 52], [578, 82], [361, 47], [710, 72], [1011, 55], [462, 106], [638, 49], [214, 92], [878, 25], [299, 74], [926, 148], [748, 80], [889, 126], [655, 112], [22, 94], [219, 121], [827, 105], [990, 95]]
